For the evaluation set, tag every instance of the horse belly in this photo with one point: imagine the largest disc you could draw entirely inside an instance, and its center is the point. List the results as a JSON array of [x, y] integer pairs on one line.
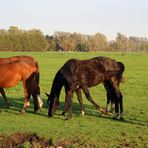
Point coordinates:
[[94, 79], [94, 82], [27, 73], [9, 81]]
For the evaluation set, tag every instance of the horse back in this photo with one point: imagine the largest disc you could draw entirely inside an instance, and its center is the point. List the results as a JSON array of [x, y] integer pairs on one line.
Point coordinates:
[[15, 69], [91, 72]]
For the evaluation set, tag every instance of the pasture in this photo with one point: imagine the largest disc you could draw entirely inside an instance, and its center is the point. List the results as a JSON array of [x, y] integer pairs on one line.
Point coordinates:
[[93, 129]]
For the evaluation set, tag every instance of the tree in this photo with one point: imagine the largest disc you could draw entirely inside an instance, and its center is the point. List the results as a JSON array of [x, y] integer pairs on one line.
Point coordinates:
[[98, 42], [15, 39], [122, 42]]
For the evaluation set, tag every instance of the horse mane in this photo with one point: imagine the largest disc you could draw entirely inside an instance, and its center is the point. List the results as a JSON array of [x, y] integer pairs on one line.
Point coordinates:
[[63, 77], [57, 84], [68, 70]]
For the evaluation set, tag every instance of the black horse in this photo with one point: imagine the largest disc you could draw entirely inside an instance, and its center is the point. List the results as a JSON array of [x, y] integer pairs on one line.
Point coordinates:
[[82, 74]]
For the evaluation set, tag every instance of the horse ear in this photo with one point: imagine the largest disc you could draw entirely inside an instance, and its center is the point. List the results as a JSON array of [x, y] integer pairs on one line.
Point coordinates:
[[47, 94]]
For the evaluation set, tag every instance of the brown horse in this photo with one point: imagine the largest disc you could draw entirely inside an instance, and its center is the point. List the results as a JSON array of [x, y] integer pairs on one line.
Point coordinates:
[[75, 75], [25, 69]]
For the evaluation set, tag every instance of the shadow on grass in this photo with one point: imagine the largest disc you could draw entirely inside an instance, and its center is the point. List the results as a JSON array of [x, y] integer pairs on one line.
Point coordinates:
[[91, 111], [17, 104]]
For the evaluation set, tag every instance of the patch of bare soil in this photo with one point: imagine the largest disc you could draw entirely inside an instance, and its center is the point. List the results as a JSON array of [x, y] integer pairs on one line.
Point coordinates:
[[27, 140], [19, 140]]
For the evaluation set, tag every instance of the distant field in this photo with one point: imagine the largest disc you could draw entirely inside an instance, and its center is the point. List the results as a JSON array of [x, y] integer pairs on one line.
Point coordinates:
[[94, 129]]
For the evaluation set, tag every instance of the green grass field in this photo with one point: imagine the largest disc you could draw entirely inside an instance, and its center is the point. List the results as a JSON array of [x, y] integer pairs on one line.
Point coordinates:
[[93, 129]]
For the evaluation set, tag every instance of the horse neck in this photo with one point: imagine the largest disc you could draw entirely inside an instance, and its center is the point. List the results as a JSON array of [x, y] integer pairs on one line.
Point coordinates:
[[57, 85]]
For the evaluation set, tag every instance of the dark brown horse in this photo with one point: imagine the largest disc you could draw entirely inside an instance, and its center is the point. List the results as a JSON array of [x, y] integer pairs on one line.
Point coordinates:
[[82, 74], [25, 69]]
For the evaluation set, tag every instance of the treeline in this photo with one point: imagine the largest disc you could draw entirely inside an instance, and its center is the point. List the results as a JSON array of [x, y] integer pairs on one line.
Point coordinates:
[[15, 39]]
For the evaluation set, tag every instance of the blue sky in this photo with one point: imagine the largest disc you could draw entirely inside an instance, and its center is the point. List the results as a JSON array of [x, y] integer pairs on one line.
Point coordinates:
[[129, 17]]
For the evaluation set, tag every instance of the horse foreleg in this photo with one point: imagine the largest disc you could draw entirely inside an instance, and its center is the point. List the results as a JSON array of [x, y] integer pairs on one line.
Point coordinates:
[[89, 98], [69, 95], [79, 95], [112, 107], [7, 103], [65, 106]]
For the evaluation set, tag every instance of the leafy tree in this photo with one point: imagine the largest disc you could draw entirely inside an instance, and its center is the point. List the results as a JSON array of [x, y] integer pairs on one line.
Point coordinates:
[[122, 42], [15, 39]]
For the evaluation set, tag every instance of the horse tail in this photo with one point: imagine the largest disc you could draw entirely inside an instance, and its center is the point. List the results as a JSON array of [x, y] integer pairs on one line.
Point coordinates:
[[57, 84], [37, 77], [37, 72], [120, 73], [121, 66]]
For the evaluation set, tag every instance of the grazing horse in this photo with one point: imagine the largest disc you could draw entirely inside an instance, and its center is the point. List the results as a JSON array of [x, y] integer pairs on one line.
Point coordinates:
[[75, 75], [25, 69]]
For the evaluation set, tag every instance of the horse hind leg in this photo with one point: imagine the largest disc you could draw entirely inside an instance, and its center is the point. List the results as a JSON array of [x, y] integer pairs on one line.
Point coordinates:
[[110, 105], [38, 103], [7, 103], [39, 99], [26, 103], [118, 99], [37, 90], [79, 95], [114, 91], [34, 90], [89, 98], [121, 106], [107, 108], [27, 97]]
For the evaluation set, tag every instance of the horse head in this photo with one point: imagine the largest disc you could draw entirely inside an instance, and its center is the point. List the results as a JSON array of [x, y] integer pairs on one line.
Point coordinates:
[[52, 103]]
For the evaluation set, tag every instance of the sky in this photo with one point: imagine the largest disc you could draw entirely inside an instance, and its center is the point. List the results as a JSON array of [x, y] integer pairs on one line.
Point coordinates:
[[109, 17]]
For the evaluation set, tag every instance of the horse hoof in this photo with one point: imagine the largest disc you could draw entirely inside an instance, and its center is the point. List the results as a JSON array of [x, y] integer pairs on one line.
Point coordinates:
[[112, 111], [115, 118], [10, 104], [35, 111], [63, 113], [8, 107], [122, 119], [82, 113], [104, 110], [68, 117], [22, 113]]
